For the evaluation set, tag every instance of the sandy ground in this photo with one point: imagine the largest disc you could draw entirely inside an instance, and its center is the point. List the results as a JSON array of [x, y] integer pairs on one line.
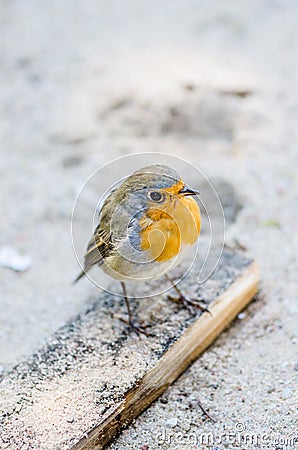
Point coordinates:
[[92, 366], [214, 83]]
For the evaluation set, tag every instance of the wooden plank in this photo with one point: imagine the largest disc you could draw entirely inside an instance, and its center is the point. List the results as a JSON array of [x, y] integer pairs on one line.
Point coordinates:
[[192, 343], [93, 376]]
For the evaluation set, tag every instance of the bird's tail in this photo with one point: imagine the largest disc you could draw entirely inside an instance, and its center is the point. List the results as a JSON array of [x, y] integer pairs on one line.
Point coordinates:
[[79, 277]]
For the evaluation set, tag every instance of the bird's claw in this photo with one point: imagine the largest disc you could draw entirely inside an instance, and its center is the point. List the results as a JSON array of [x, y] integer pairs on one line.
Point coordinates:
[[137, 328], [191, 303]]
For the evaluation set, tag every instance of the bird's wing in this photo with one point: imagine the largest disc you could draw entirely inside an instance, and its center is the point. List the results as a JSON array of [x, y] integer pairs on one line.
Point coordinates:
[[97, 248]]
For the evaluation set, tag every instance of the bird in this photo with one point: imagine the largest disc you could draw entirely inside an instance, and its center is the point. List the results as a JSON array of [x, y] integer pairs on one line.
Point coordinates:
[[146, 227]]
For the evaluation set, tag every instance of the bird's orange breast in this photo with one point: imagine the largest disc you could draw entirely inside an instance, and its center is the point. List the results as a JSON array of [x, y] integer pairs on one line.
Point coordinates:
[[165, 229]]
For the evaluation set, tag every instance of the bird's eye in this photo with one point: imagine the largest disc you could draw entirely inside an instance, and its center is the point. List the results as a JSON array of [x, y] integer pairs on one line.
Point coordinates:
[[155, 196]]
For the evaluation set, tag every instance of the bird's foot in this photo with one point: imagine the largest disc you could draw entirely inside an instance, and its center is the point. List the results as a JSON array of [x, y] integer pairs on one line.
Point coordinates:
[[137, 328], [190, 303]]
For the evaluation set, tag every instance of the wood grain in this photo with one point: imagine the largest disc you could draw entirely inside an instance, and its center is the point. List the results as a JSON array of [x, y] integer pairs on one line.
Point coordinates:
[[195, 340]]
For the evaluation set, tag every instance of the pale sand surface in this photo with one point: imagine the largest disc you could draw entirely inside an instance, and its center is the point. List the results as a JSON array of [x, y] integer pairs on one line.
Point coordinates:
[[83, 83]]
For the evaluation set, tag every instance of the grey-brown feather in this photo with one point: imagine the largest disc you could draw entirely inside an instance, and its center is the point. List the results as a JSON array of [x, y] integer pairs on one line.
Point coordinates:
[[131, 194]]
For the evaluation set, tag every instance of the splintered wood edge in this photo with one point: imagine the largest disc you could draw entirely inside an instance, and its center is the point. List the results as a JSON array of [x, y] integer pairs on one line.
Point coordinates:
[[181, 354]]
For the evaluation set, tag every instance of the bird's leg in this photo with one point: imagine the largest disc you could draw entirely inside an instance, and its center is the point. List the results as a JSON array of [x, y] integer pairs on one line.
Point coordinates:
[[188, 303], [134, 326]]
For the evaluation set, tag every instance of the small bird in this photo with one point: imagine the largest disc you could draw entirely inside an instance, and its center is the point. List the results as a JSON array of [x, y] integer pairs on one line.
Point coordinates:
[[146, 227]]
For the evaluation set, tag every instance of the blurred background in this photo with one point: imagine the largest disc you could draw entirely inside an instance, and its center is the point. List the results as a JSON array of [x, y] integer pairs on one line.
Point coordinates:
[[209, 81]]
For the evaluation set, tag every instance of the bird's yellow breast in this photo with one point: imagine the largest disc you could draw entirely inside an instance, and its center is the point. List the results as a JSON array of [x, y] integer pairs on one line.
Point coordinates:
[[165, 229]]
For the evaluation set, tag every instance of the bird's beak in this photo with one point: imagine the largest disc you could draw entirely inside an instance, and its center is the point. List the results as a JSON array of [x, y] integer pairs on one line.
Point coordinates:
[[187, 191]]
